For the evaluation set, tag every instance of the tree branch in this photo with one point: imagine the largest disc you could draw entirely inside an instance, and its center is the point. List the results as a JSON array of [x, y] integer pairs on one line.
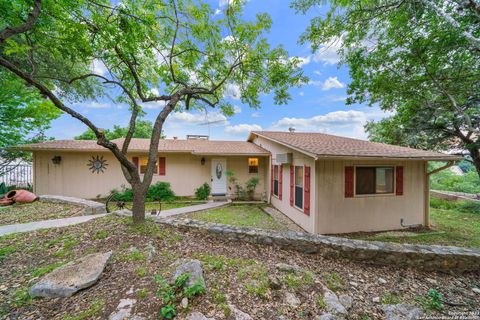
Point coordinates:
[[32, 18]]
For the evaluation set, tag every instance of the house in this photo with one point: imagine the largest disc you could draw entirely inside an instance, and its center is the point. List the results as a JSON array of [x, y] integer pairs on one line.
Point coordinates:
[[326, 184]]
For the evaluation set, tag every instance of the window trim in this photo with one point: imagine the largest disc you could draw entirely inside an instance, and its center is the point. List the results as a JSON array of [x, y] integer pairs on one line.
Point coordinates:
[[303, 188], [389, 194]]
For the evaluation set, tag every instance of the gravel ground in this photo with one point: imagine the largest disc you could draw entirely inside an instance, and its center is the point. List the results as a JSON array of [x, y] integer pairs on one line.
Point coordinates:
[[36, 211], [235, 272]]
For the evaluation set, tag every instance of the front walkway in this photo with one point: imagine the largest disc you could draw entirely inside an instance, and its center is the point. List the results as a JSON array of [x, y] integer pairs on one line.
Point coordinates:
[[190, 209], [45, 224]]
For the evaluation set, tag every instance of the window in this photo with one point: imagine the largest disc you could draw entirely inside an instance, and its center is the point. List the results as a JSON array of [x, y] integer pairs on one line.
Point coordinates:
[[275, 180], [252, 165], [143, 165], [373, 180], [299, 187]]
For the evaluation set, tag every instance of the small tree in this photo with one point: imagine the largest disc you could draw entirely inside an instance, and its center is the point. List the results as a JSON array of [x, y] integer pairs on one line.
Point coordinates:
[[176, 53]]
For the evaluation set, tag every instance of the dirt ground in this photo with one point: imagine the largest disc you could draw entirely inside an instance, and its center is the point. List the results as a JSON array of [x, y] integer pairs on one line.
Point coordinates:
[[235, 272], [36, 211]]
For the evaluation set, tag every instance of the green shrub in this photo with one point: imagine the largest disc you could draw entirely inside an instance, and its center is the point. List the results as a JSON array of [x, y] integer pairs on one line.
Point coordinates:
[[448, 181], [469, 206], [432, 301], [125, 195], [3, 189], [160, 191], [202, 192]]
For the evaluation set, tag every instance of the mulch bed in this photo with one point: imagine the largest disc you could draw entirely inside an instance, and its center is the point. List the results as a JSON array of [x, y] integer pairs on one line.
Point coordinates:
[[36, 211], [234, 271]]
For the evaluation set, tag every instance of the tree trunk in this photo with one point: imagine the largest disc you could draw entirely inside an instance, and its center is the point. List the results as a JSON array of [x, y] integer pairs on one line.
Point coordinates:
[[139, 197], [475, 154]]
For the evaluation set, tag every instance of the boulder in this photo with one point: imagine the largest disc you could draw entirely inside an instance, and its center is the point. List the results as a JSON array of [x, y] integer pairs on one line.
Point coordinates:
[[333, 304], [239, 314], [124, 310], [288, 267], [192, 267], [346, 301], [292, 299], [401, 311], [72, 277], [197, 316]]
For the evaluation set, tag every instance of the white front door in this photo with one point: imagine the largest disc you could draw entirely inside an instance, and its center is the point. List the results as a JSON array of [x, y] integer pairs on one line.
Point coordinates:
[[219, 177]]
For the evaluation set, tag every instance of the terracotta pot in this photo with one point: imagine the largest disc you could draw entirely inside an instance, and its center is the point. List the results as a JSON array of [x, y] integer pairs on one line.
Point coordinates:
[[21, 196], [5, 202]]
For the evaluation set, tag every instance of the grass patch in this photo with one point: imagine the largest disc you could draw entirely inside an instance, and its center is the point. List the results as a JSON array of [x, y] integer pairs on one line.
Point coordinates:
[[142, 293], [456, 223], [390, 298], [99, 235], [239, 216], [334, 281], [141, 271], [36, 211], [5, 251], [38, 272], [93, 310]]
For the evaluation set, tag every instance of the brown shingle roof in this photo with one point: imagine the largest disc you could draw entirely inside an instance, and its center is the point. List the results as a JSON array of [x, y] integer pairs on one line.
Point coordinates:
[[325, 145], [167, 145]]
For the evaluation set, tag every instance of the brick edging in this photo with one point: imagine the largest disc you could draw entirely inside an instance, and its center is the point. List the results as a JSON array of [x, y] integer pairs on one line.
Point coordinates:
[[424, 257], [91, 207]]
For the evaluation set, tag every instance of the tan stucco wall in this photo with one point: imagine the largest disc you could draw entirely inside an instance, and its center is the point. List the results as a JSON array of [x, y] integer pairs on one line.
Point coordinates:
[[331, 212], [338, 214], [184, 172], [299, 159]]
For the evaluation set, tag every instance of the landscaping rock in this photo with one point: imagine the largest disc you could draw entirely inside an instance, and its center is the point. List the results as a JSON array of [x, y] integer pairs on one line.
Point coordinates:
[[326, 316], [346, 301], [72, 277], [476, 290], [150, 252], [198, 316], [239, 314], [274, 283], [194, 268], [288, 267], [124, 310], [184, 303], [292, 299], [333, 304], [376, 299], [401, 311], [382, 281]]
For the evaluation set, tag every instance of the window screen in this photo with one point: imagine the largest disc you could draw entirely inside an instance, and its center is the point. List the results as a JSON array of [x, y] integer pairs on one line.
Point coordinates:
[[373, 180]]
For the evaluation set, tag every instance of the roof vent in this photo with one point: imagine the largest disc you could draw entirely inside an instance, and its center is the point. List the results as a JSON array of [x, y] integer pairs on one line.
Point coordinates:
[[196, 137], [291, 129]]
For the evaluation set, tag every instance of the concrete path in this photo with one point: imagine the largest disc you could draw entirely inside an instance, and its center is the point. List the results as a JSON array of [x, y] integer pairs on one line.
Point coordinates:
[[45, 224], [189, 209]]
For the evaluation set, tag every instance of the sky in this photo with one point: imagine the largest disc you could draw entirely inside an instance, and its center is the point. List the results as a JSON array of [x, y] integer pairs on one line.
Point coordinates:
[[318, 106]]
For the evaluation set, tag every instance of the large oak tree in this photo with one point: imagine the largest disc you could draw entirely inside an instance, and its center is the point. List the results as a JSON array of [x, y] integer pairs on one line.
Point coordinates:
[[177, 53], [418, 59]]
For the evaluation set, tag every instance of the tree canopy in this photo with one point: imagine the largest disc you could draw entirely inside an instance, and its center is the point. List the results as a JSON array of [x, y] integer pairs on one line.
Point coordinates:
[[176, 53], [418, 59], [24, 116]]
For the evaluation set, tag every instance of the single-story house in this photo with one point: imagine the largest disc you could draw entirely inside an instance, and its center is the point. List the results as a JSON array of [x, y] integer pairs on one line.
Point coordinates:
[[326, 184]]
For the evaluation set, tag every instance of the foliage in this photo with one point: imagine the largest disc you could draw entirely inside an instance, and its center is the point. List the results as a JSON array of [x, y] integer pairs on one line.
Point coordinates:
[[202, 192], [172, 293], [246, 192], [3, 189], [143, 129], [92, 311], [432, 301], [160, 191], [448, 181], [178, 55], [24, 117], [462, 206], [390, 298], [125, 195], [419, 60]]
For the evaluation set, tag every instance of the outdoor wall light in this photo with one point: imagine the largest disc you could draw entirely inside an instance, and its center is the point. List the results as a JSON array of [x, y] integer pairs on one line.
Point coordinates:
[[56, 160], [202, 161]]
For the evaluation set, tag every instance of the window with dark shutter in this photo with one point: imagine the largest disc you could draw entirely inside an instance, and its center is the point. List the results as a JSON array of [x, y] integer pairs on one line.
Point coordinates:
[[299, 187], [275, 180]]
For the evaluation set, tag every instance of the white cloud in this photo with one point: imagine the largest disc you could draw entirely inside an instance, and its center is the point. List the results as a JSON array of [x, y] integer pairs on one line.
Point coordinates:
[[328, 53], [237, 109], [256, 115], [330, 83], [303, 61], [301, 93], [99, 68], [217, 12], [318, 73], [196, 118], [232, 91], [153, 105], [242, 129], [93, 105]]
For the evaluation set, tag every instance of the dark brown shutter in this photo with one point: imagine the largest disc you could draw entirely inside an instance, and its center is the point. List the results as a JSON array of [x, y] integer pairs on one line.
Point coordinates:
[[135, 161], [271, 173], [280, 181], [348, 182], [306, 192], [292, 184], [162, 165], [399, 180]]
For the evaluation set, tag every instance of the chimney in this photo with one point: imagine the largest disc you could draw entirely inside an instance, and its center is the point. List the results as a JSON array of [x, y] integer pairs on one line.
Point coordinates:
[[291, 129], [175, 138]]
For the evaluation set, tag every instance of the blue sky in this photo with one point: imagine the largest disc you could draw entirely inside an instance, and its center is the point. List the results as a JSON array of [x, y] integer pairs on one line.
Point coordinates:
[[318, 106]]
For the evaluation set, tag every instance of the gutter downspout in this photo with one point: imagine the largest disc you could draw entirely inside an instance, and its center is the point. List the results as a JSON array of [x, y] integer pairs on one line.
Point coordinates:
[[426, 218]]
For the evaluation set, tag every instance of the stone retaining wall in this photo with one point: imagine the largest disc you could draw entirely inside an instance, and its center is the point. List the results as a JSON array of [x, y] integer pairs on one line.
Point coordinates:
[[91, 207], [437, 258], [451, 195]]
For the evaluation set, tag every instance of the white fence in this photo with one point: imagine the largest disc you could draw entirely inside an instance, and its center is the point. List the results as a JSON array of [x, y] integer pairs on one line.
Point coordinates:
[[19, 175]]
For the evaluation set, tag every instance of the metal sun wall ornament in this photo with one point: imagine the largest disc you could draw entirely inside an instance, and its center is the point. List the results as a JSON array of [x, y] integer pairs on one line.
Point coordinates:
[[97, 164]]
